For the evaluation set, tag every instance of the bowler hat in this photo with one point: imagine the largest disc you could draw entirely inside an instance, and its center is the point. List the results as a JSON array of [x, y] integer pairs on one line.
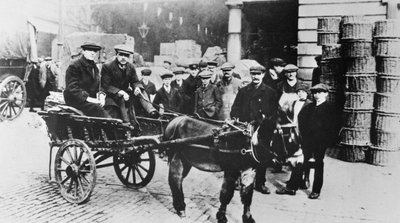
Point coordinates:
[[277, 62], [227, 66], [320, 87], [167, 75], [257, 69], [205, 74], [179, 70], [90, 46], [290, 68], [146, 72], [123, 48]]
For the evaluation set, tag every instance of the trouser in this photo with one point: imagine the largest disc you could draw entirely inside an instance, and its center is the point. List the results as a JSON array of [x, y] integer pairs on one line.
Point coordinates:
[[296, 177], [261, 170], [91, 109], [318, 176]]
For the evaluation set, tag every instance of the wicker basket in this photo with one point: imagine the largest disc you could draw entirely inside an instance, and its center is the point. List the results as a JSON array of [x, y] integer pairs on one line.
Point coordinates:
[[361, 83], [357, 118], [331, 51], [388, 66], [327, 38], [386, 139], [329, 24], [357, 30], [357, 48], [389, 28], [382, 157], [388, 84], [359, 100], [352, 153], [361, 65], [333, 66], [330, 80], [355, 136], [336, 98], [387, 47], [386, 121], [389, 103], [353, 19]]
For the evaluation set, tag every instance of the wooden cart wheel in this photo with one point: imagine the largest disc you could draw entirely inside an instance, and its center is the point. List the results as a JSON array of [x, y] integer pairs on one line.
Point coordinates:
[[75, 171], [135, 169], [12, 97]]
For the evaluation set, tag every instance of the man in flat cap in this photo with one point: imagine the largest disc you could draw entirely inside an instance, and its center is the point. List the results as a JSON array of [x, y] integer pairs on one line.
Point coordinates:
[[48, 75], [286, 88], [253, 103], [189, 87], [318, 127], [178, 82], [149, 86], [208, 100], [229, 86], [167, 64], [168, 97], [275, 72], [82, 88], [120, 82]]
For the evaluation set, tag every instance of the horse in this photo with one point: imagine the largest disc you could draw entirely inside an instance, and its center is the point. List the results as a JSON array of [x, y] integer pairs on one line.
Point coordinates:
[[213, 147]]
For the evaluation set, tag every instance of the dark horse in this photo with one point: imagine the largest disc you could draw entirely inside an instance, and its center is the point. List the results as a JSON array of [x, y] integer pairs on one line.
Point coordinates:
[[217, 147]]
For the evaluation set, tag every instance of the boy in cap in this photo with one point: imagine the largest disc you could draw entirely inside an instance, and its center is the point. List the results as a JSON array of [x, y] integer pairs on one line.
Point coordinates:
[[120, 82], [189, 87], [167, 64], [275, 72], [286, 88], [317, 125], [168, 97], [82, 88], [253, 103], [178, 82], [208, 100], [149, 87]]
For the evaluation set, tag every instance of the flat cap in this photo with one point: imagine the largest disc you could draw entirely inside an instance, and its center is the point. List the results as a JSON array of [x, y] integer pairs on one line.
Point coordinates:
[[212, 63], [168, 62], [277, 62], [90, 46], [320, 87], [302, 87], [203, 64], [167, 75], [146, 72], [47, 59], [227, 66], [205, 74], [193, 66], [179, 70], [290, 68], [123, 48], [257, 69]]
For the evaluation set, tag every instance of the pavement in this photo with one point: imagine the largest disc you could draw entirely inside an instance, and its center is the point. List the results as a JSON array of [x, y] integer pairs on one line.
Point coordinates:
[[352, 192]]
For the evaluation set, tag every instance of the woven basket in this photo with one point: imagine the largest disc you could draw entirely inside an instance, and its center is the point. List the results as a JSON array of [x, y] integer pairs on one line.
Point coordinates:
[[329, 24], [357, 118], [386, 139], [336, 98], [388, 66], [353, 30], [389, 103], [352, 153], [359, 100], [353, 19], [388, 84], [382, 157], [327, 38], [361, 65], [333, 67], [360, 83], [355, 136], [331, 51], [386, 121], [389, 28], [387, 47], [330, 80], [357, 48]]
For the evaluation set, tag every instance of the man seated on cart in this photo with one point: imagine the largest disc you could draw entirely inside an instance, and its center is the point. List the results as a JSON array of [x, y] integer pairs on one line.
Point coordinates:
[[121, 83], [82, 88]]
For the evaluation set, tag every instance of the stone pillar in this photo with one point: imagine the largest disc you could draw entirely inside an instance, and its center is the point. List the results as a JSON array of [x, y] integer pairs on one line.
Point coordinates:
[[234, 44]]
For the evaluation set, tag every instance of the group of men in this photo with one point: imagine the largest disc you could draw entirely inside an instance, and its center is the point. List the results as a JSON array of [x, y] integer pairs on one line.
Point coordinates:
[[207, 94]]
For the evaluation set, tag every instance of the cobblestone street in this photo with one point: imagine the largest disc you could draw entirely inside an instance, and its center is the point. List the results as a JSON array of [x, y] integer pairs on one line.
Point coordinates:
[[352, 192]]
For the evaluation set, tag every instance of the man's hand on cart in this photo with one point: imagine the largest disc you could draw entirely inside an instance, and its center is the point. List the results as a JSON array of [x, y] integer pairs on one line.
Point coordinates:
[[123, 94]]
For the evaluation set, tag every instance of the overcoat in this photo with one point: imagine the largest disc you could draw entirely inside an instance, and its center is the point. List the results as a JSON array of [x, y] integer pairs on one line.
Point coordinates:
[[189, 87], [171, 100], [208, 101], [228, 93]]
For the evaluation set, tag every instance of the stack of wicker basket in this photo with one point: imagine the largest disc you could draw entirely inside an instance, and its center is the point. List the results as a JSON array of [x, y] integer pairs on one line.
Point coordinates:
[[331, 62], [360, 87], [385, 134]]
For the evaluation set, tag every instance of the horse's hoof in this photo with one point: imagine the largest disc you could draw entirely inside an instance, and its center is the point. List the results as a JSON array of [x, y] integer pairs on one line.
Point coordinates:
[[181, 214], [248, 219], [221, 217]]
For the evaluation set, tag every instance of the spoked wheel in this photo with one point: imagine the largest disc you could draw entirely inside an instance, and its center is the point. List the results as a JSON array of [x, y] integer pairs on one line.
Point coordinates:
[[12, 97], [135, 168], [75, 171]]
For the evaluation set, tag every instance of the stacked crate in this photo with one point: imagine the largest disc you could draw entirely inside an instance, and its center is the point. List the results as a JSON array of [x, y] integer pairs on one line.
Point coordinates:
[[331, 61], [385, 134], [360, 87]]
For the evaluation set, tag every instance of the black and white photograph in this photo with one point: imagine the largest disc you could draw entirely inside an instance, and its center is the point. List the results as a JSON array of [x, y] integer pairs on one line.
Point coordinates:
[[189, 111]]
